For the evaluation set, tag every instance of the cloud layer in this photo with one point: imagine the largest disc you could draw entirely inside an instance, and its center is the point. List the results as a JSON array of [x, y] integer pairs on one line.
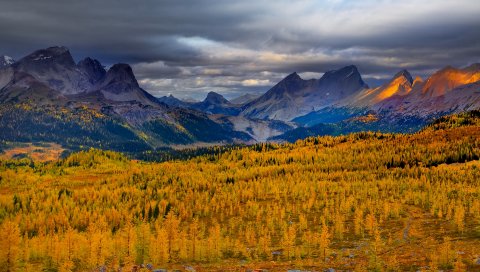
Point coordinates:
[[191, 47]]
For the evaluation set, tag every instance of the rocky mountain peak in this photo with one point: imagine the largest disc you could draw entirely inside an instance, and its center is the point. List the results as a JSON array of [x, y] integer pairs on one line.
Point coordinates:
[[290, 84], [347, 79], [93, 69], [292, 76], [56, 54], [417, 81], [448, 78], [121, 72], [350, 69], [346, 72], [170, 100], [55, 67], [405, 74], [244, 98], [215, 98], [343, 82]]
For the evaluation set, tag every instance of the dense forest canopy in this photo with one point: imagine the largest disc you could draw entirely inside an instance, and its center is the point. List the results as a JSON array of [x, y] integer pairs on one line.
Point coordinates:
[[383, 202]]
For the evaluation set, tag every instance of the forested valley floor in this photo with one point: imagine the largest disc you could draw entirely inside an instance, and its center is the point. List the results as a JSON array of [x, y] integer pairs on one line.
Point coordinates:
[[361, 202]]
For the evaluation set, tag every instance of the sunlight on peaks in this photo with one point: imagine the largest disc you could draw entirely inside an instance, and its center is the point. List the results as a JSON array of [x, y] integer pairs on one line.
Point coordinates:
[[399, 86], [448, 79]]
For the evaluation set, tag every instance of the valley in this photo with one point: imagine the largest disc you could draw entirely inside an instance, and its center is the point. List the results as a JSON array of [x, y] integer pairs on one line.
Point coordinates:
[[382, 202], [47, 96], [249, 136]]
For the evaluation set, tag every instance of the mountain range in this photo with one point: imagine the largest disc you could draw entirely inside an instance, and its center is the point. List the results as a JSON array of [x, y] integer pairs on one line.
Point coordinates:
[[47, 96]]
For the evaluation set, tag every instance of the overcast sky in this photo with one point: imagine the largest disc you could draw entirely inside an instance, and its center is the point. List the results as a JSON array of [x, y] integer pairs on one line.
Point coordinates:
[[189, 48]]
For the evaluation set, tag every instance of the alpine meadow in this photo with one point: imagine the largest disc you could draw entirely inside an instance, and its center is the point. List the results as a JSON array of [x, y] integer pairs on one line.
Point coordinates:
[[258, 136]]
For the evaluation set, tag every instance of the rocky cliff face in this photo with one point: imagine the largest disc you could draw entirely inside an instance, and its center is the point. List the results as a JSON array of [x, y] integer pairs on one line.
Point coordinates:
[[48, 86], [50, 82], [293, 97]]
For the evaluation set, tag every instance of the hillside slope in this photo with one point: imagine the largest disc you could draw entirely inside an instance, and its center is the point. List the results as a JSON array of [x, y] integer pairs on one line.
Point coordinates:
[[367, 200], [46, 96]]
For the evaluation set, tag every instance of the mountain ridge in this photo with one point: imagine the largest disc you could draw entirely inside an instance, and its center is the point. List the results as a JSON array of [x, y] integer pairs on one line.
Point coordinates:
[[51, 79], [294, 96], [338, 102]]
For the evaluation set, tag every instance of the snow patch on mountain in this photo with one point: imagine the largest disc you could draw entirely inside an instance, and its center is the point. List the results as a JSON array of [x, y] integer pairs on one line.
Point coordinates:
[[6, 61]]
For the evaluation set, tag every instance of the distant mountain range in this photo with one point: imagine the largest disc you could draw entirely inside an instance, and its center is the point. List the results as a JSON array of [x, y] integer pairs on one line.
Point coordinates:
[[46, 96], [214, 103], [293, 96]]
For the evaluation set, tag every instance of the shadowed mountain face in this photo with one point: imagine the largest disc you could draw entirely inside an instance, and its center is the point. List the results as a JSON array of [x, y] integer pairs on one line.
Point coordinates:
[[174, 102], [214, 103], [335, 85], [46, 95], [120, 85], [214, 98], [400, 105], [293, 96], [24, 87], [340, 95], [93, 69], [244, 99], [56, 68]]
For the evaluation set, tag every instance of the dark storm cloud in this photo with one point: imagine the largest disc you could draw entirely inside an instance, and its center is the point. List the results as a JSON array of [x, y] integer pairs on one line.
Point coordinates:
[[126, 30], [191, 47]]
